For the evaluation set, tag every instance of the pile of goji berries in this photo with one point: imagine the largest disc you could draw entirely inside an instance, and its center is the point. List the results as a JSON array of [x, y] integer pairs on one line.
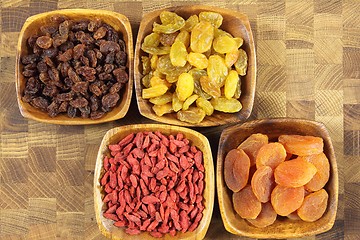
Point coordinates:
[[154, 183]]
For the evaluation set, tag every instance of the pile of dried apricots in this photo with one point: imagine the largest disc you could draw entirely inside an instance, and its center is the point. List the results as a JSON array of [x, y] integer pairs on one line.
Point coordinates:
[[285, 178], [193, 67]]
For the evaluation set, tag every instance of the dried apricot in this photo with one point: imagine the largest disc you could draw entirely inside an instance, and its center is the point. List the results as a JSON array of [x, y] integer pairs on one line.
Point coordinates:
[[271, 154], [263, 183], [246, 204], [302, 145], [321, 162], [286, 200], [236, 169], [313, 206], [266, 217], [293, 216], [294, 173], [252, 145]]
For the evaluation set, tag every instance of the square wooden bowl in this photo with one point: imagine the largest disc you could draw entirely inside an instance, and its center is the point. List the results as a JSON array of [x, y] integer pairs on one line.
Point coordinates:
[[233, 22], [282, 228], [32, 26], [114, 136]]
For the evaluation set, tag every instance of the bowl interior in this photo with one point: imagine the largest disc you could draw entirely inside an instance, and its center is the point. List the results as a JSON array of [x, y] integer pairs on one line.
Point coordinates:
[[119, 22], [283, 227], [114, 136], [233, 22]]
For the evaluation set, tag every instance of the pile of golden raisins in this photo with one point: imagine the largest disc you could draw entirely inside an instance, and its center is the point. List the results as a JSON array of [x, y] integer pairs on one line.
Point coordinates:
[[193, 67]]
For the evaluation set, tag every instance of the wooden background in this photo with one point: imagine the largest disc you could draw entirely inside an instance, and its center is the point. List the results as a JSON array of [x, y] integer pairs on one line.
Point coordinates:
[[308, 55]]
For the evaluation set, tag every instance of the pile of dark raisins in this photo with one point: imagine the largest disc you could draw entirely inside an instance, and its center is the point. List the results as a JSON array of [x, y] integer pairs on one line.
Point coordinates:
[[75, 67]]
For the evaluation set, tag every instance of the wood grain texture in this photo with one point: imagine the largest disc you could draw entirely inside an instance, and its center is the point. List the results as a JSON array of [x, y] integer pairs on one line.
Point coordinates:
[[295, 79]]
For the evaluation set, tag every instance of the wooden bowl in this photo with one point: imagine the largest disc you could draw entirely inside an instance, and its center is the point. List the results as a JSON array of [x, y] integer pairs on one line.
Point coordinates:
[[235, 23], [114, 136], [32, 25], [282, 228]]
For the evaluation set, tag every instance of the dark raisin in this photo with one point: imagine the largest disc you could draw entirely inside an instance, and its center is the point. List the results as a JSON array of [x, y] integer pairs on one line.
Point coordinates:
[[99, 69], [112, 35], [76, 64], [94, 103], [110, 58], [99, 55], [29, 73], [29, 59], [74, 77], [65, 96], [28, 97], [121, 75], [37, 50], [121, 58], [84, 37], [80, 87], [71, 111], [54, 75], [57, 18], [66, 56], [68, 83], [49, 62], [64, 28], [40, 103], [110, 100], [80, 26], [53, 109], [44, 42], [100, 33], [108, 68], [72, 37], [63, 106], [95, 89], [105, 76], [79, 102], [31, 66], [86, 71], [51, 52], [50, 91], [44, 77], [115, 88], [92, 58], [58, 40], [79, 51], [64, 68], [42, 67], [96, 115], [94, 25], [66, 46], [85, 61], [48, 29], [122, 45], [85, 111], [32, 41], [32, 86], [109, 46]]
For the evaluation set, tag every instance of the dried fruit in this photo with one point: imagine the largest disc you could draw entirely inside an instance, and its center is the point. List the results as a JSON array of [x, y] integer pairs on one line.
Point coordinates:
[[286, 200], [184, 86], [178, 54], [214, 18], [271, 154], [252, 145], [313, 206], [246, 204], [205, 105], [223, 104], [231, 82], [322, 175], [266, 217], [241, 63], [154, 91], [302, 145], [263, 183], [197, 60], [294, 173], [224, 44], [236, 169], [192, 115], [202, 36], [69, 71]]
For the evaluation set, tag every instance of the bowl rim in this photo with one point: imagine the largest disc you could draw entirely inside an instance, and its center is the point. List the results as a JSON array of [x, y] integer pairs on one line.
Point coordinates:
[[220, 182], [209, 172], [244, 114], [78, 120]]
